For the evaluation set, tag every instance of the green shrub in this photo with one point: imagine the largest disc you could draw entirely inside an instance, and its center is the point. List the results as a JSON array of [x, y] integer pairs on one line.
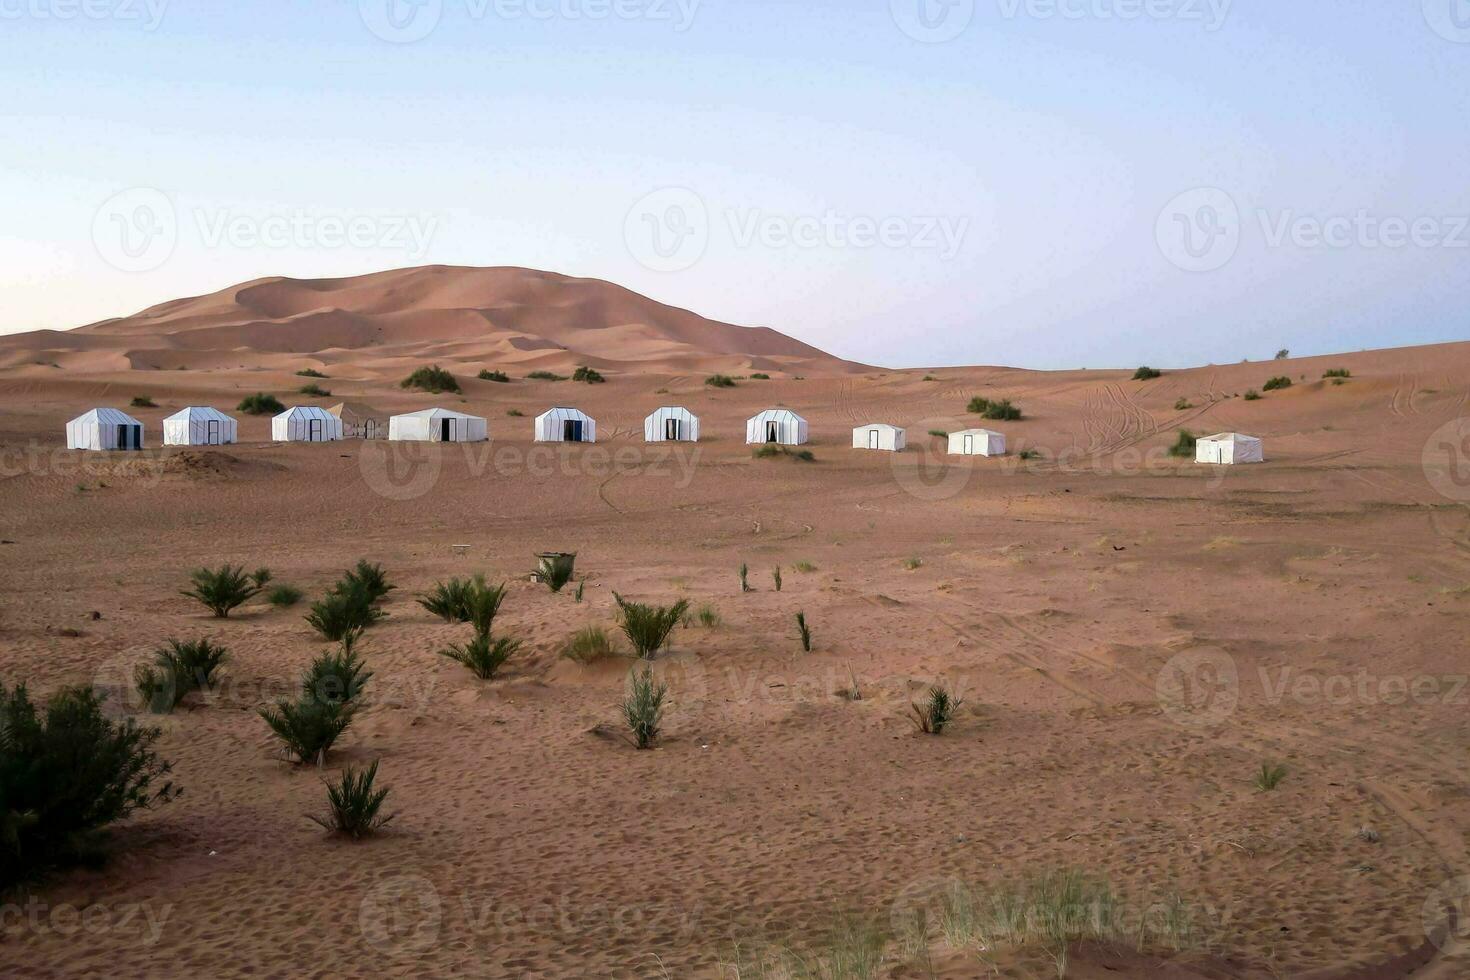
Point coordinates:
[[720, 381], [1147, 374], [581, 587], [648, 627], [336, 677], [315, 391], [368, 577], [937, 711], [261, 576], [1277, 383], [546, 376], [483, 656], [744, 585], [1253, 395], [1182, 405], [769, 450], [804, 567], [66, 773], [142, 401], [177, 670], [776, 577], [805, 630], [283, 595], [760, 376], [913, 564], [939, 433], [588, 375], [1029, 454], [340, 613], [643, 708], [260, 404], [1001, 411], [221, 589], [709, 617], [482, 604], [309, 373], [450, 600], [1269, 776], [432, 379], [354, 806], [589, 645], [307, 727], [1283, 354], [515, 413], [498, 376], [557, 571], [1337, 373], [1184, 445]]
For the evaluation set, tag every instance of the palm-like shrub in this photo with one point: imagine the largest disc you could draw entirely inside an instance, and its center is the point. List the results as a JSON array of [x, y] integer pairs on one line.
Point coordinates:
[[643, 708], [483, 656], [178, 669], [354, 806], [556, 571], [805, 631], [340, 613], [937, 711], [449, 600], [221, 589], [589, 645], [744, 573], [336, 676], [776, 577], [66, 773], [483, 604], [648, 627], [283, 595], [308, 727], [261, 576], [369, 578], [1270, 776]]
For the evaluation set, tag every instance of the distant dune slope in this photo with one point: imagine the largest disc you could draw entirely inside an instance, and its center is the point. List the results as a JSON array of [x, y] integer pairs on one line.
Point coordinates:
[[509, 316]]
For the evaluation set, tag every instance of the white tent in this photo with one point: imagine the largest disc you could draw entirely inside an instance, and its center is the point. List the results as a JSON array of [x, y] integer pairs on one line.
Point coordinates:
[[104, 429], [878, 436], [306, 423], [438, 425], [777, 425], [977, 442], [565, 425], [360, 421], [671, 424], [198, 426], [1228, 448]]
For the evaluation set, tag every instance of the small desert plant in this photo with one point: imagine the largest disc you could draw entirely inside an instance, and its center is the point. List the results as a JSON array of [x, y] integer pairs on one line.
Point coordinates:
[[368, 577], [308, 727], [720, 381], [643, 708], [589, 645], [315, 391], [1252, 395], [1001, 411], [433, 379], [913, 564], [142, 401], [805, 630], [353, 805], [283, 595], [709, 616], [178, 669], [1029, 454], [1283, 354], [1337, 373], [937, 711], [482, 605], [336, 677], [68, 772], [221, 589], [805, 567], [766, 451], [309, 373], [261, 576], [483, 656], [588, 375], [1184, 445], [515, 413], [776, 577], [760, 376], [1147, 374], [497, 376], [545, 376], [581, 588], [939, 433], [341, 612], [647, 627], [450, 600], [1182, 405], [260, 404], [1270, 776], [556, 571], [744, 584], [1276, 383]]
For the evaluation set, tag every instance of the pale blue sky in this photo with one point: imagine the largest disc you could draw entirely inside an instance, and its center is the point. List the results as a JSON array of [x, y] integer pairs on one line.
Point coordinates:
[[1026, 172]]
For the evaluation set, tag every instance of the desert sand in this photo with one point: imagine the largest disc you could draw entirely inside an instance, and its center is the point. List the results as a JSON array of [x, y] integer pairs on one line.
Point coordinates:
[[1062, 595]]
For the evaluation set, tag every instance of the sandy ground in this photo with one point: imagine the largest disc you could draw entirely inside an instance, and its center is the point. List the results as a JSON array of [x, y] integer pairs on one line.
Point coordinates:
[[1133, 637]]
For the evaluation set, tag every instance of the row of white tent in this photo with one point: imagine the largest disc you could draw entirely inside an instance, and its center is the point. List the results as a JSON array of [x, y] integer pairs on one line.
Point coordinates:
[[110, 429]]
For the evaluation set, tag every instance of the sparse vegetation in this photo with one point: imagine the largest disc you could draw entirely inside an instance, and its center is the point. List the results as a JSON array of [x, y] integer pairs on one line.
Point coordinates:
[[760, 376], [1028, 454], [546, 376], [260, 404], [913, 564], [937, 711], [142, 401], [772, 451], [515, 413], [177, 670], [776, 577], [1338, 373], [354, 806], [647, 627], [589, 645], [744, 584], [581, 588], [221, 589], [556, 571], [482, 655], [338, 676], [709, 617], [1147, 374], [1252, 395], [720, 381], [309, 373], [497, 376], [939, 433], [261, 576], [347, 608], [1283, 354], [308, 728], [432, 379], [283, 596], [997, 411], [588, 375], [1183, 405], [1277, 383], [805, 631], [805, 567], [450, 600], [643, 707], [482, 605], [314, 390], [929, 377], [67, 772], [1270, 776], [1184, 445]]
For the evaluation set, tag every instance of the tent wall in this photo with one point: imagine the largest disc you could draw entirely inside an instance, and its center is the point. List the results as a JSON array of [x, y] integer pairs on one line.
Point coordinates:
[[425, 427], [199, 429], [790, 428], [551, 426], [977, 442], [104, 430], [885, 437], [306, 425], [656, 426]]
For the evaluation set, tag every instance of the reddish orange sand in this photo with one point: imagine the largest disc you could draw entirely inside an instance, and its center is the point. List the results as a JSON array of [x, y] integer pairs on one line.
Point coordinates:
[[1058, 596]]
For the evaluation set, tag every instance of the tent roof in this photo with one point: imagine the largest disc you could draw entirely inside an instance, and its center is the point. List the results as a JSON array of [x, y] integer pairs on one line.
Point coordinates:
[[776, 415], [976, 432], [306, 412], [354, 408], [199, 413], [879, 425], [107, 416], [565, 413], [670, 408], [437, 413], [1228, 437]]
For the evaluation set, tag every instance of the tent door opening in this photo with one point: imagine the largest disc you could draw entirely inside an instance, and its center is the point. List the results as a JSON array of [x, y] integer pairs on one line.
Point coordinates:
[[446, 430], [314, 430], [130, 437], [773, 432], [872, 438], [211, 432], [370, 429], [671, 430], [969, 445], [571, 430]]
